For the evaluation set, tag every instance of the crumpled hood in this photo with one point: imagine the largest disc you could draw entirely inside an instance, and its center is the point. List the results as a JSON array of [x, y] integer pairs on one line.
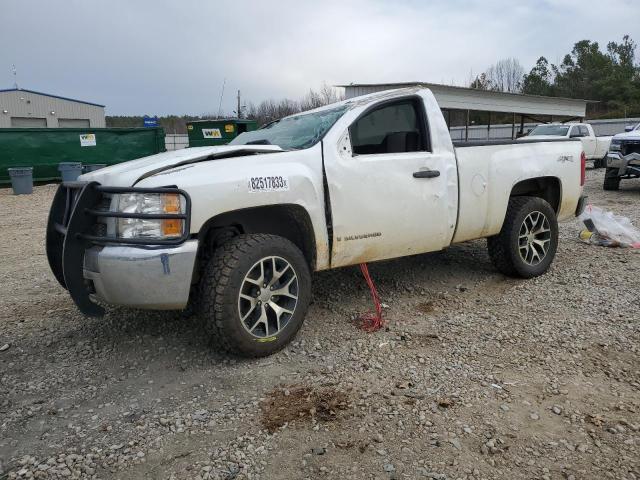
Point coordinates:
[[127, 174]]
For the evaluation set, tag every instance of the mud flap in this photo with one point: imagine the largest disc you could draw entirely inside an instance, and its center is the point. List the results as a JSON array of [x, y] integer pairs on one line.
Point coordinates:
[[581, 204]]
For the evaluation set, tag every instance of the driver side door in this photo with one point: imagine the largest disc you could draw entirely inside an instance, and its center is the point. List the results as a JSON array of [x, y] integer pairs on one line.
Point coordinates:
[[387, 187]]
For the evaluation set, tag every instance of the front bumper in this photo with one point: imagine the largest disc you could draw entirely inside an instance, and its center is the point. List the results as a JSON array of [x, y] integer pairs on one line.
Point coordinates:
[[626, 164], [95, 266], [141, 277]]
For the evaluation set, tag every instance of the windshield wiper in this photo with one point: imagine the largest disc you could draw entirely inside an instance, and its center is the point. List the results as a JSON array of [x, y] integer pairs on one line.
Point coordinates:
[[264, 141]]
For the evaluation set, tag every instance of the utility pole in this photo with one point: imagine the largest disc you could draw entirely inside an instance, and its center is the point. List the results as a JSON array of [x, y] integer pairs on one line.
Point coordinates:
[[221, 95], [15, 76], [239, 111]]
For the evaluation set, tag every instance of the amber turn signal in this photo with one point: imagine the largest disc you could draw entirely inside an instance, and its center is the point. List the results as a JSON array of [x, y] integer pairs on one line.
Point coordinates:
[[171, 204]]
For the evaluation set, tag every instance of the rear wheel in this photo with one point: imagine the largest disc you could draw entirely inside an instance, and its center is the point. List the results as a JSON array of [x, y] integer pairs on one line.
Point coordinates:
[[528, 240], [254, 294], [611, 179]]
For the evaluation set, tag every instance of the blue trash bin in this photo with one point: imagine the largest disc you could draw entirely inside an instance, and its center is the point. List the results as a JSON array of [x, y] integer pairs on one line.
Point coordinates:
[[70, 171], [93, 167], [21, 180]]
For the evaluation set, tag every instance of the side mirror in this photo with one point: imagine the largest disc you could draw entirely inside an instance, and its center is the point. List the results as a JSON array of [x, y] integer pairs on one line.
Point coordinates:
[[628, 128]]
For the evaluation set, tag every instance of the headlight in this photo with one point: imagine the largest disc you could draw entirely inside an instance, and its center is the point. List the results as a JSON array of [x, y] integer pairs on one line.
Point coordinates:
[[615, 146], [149, 203]]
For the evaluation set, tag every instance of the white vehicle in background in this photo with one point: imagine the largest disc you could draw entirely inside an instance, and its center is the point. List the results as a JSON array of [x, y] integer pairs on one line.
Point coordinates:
[[237, 229], [623, 160], [595, 148]]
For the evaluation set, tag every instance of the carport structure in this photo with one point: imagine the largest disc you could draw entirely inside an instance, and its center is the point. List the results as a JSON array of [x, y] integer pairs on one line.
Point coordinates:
[[463, 107]]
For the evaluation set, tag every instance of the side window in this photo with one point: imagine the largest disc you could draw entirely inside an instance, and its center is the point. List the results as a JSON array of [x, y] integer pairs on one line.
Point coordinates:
[[584, 131], [574, 132], [392, 128]]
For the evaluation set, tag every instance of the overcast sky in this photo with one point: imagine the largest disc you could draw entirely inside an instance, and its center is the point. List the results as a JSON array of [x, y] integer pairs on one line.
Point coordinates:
[[162, 57]]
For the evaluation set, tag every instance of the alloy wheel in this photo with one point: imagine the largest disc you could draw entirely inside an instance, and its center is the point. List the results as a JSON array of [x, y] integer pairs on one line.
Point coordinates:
[[534, 238], [268, 297]]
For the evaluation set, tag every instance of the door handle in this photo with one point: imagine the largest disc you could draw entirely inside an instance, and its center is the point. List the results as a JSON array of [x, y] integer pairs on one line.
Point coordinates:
[[426, 174]]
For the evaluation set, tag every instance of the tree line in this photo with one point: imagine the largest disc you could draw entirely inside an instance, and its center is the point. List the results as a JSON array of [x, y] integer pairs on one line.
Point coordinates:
[[170, 123], [263, 112], [610, 76], [270, 110]]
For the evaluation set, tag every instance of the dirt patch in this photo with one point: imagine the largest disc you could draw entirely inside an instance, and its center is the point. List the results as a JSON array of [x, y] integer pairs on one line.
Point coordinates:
[[286, 404], [425, 307], [445, 402]]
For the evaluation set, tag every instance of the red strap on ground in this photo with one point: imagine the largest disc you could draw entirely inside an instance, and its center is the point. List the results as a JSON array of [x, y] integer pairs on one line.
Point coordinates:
[[370, 322]]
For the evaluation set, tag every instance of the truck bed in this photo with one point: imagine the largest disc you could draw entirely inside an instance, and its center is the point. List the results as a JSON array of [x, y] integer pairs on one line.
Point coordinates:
[[489, 170]]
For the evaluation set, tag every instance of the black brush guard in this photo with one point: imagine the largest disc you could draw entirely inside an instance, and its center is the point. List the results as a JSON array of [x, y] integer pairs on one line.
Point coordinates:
[[71, 229]]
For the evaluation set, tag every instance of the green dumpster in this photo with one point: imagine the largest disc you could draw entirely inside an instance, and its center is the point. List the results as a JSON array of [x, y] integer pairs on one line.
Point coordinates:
[[217, 132], [45, 148]]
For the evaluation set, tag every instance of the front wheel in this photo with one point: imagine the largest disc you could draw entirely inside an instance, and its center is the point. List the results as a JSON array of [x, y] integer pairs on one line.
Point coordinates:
[[528, 240], [254, 294]]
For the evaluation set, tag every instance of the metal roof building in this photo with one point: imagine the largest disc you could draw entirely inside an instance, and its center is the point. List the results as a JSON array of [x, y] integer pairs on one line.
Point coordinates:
[[463, 101], [21, 108]]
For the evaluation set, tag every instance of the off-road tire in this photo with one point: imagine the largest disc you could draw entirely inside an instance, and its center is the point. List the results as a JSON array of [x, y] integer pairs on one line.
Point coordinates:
[[220, 284], [611, 179], [503, 247]]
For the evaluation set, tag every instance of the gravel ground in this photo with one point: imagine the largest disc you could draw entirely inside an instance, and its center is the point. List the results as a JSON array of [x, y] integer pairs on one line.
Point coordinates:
[[477, 376]]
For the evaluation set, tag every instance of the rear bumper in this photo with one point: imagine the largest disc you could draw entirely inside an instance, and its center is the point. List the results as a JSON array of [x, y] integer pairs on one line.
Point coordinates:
[[626, 165], [141, 277]]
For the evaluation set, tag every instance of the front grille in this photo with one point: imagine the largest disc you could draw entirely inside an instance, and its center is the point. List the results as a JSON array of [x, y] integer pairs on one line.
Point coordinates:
[[99, 230], [630, 146]]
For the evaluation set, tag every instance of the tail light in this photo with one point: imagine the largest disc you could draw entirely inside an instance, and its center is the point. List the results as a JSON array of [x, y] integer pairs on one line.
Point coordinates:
[[583, 167]]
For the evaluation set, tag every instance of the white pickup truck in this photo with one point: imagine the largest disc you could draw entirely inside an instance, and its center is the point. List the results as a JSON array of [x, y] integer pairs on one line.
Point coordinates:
[[623, 160], [238, 229], [595, 148]]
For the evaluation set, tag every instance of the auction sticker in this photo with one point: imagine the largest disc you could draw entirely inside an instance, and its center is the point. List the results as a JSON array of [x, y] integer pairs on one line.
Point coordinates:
[[211, 133], [268, 183]]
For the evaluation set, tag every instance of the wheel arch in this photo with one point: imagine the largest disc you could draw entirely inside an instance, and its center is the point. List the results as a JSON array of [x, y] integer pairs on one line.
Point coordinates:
[[290, 221], [548, 188]]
